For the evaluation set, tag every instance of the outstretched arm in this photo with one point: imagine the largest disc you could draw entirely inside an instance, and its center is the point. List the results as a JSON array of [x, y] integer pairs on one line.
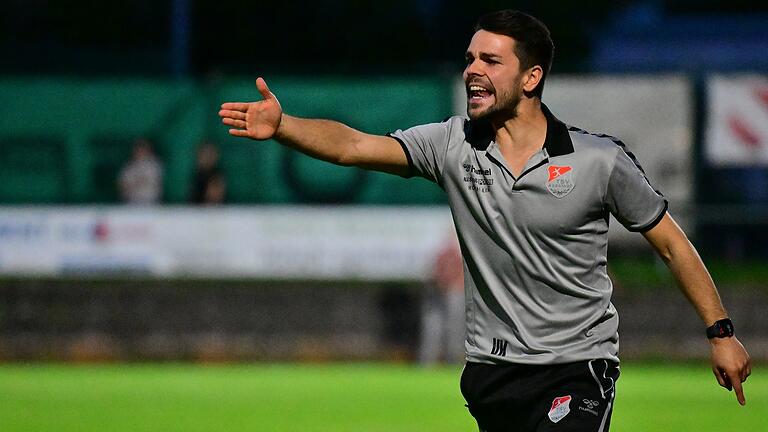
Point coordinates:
[[730, 362], [327, 140]]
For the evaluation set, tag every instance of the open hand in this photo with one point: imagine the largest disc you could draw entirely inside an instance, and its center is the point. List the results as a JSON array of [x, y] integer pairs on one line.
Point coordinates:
[[256, 120]]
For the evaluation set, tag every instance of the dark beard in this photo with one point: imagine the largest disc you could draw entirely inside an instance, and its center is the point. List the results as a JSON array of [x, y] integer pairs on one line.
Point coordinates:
[[505, 110]]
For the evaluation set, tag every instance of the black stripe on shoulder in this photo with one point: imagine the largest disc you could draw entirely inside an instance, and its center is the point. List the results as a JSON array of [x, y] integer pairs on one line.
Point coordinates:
[[623, 147], [407, 154], [615, 140], [579, 130], [631, 155]]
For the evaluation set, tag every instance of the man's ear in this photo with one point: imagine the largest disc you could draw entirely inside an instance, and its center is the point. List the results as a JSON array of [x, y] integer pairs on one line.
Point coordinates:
[[532, 77]]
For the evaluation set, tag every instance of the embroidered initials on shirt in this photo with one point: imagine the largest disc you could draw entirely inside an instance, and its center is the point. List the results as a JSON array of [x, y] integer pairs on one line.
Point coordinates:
[[499, 347]]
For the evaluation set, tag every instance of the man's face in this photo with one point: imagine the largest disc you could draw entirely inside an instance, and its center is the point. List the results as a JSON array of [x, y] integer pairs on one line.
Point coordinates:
[[142, 150], [492, 76]]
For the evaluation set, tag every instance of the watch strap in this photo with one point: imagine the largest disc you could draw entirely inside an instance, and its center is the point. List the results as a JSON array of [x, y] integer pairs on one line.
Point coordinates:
[[720, 329]]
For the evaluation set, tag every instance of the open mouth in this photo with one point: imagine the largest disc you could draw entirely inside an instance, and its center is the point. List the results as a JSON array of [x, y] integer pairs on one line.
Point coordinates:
[[476, 92]]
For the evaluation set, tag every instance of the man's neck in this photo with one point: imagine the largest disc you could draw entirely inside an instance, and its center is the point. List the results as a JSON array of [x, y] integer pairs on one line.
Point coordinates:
[[526, 132]]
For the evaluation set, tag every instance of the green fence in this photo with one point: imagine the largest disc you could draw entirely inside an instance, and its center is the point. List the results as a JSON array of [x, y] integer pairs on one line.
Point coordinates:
[[65, 140]]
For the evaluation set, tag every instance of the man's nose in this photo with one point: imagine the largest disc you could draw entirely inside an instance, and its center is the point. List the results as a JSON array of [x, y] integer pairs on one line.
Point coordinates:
[[473, 69]]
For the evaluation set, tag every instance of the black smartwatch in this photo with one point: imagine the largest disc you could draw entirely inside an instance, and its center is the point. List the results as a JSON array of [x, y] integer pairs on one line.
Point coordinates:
[[720, 329]]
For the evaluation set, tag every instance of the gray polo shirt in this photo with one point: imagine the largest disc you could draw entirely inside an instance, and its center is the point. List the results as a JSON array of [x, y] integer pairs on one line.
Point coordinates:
[[535, 246]]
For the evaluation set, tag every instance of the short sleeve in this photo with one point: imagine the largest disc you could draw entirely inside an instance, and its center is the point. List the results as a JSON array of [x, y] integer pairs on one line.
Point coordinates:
[[425, 147], [630, 196]]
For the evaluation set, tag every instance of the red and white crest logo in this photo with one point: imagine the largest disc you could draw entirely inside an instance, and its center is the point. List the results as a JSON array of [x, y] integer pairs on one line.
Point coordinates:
[[560, 182], [561, 406]]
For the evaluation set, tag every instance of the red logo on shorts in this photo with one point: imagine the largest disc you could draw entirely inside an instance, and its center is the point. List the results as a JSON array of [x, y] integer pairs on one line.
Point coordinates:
[[561, 406], [556, 171]]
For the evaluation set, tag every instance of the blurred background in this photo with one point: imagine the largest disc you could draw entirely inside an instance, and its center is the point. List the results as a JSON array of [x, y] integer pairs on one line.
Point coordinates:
[[133, 228], [157, 274]]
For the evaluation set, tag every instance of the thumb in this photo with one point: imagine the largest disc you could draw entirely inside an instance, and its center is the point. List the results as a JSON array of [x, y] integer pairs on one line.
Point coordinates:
[[263, 89]]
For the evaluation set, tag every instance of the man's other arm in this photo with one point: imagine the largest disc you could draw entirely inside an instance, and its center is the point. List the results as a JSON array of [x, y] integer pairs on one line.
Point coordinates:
[[730, 362], [327, 140]]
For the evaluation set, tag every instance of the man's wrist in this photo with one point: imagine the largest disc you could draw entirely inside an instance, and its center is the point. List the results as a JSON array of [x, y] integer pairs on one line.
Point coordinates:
[[720, 329], [279, 131]]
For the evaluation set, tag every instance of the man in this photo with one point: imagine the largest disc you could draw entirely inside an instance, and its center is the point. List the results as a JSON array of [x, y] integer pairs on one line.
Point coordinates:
[[530, 199], [442, 308], [141, 179], [209, 186]]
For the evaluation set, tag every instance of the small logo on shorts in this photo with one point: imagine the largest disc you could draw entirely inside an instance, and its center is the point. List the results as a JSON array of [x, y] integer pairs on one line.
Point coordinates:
[[589, 406], [561, 406], [560, 182]]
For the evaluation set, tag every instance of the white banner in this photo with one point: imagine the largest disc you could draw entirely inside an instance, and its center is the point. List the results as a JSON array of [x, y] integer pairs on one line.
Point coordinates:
[[378, 243], [737, 127]]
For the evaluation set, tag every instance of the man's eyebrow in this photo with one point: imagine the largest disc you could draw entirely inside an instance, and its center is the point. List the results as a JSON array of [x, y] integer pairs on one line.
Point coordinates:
[[482, 55], [489, 56]]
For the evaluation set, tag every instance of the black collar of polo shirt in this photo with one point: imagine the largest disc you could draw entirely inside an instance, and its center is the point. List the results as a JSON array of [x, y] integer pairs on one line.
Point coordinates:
[[478, 133], [558, 141]]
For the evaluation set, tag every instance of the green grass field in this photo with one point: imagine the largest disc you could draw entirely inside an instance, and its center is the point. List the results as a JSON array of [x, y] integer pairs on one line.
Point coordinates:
[[333, 397]]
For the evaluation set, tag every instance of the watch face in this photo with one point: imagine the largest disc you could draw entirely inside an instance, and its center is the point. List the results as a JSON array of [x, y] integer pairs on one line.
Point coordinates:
[[721, 329], [727, 329]]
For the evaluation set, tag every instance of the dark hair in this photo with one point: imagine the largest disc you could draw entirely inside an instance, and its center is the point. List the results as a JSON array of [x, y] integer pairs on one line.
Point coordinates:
[[533, 44]]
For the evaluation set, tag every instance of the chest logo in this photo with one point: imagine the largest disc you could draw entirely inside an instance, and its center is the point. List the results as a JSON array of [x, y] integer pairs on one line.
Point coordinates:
[[560, 182], [477, 179], [561, 406]]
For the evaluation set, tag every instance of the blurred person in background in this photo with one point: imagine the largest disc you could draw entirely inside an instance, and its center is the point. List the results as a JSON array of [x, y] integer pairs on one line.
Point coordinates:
[[141, 179], [209, 185], [442, 308], [530, 199]]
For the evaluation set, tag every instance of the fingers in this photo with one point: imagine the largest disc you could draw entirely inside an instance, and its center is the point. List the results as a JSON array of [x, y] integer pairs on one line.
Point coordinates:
[[263, 89], [727, 380], [747, 370], [719, 377], [261, 85], [731, 365], [233, 118], [235, 106], [240, 124], [239, 132], [237, 115], [739, 390], [732, 381]]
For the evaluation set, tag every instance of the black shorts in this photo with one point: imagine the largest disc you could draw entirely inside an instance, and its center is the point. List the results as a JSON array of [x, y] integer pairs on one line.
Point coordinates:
[[564, 397]]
